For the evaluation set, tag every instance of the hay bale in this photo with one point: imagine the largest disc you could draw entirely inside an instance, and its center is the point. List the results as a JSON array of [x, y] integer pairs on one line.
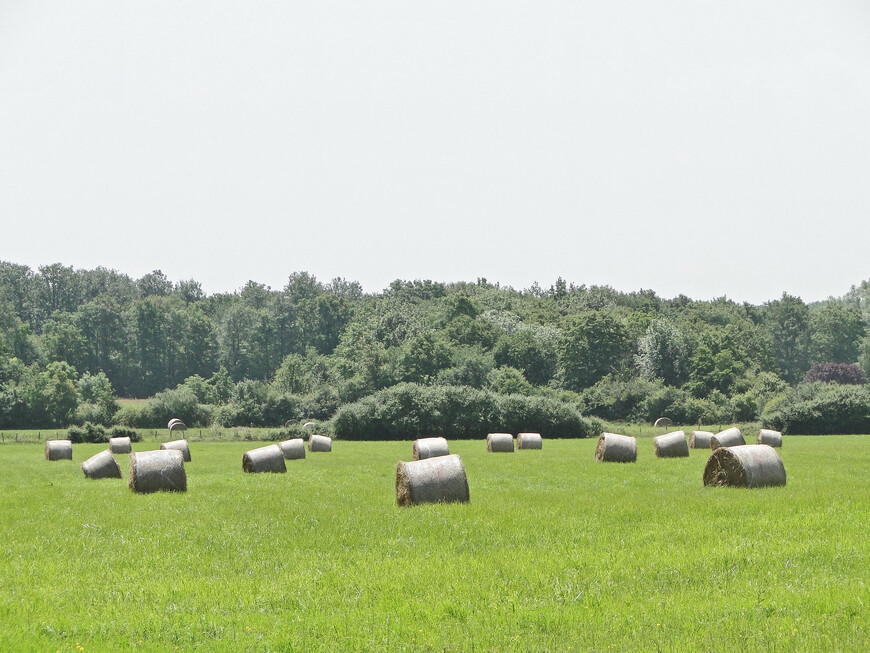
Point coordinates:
[[58, 449], [155, 471], [746, 465], [424, 448], [672, 445], [120, 445], [176, 424], [178, 445], [440, 479], [530, 441], [615, 448], [664, 421], [102, 465], [772, 438], [293, 449], [700, 440], [319, 443], [264, 459], [728, 438], [500, 443]]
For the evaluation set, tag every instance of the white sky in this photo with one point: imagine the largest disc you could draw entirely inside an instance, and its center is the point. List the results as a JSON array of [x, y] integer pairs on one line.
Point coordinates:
[[700, 147]]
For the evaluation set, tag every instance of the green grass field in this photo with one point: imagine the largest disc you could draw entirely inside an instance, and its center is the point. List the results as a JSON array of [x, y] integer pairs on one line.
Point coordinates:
[[555, 552]]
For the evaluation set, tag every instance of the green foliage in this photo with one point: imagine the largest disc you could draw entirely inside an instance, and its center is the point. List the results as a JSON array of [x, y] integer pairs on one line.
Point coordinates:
[[508, 381], [836, 332], [408, 411], [820, 409], [592, 345], [119, 431], [787, 320], [523, 351], [663, 353], [87, 432], [615, 399]]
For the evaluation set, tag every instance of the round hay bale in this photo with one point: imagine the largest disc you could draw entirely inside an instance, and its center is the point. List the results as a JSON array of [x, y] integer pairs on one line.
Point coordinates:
[[615, 448], [102, 465], [672, 445], [155, 471], [664, 421], [178, 445], [293, 449], [264, 459], [772, 438], [530, 441], [429, 448], [728, 438], [120, 445], [745, 465], [58, 449], [319, 443], [433, 480], [500, 443], [700, 440], [176, 425]]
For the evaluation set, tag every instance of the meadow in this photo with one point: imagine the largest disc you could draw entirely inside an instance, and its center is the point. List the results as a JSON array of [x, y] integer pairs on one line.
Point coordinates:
[[555, 552]]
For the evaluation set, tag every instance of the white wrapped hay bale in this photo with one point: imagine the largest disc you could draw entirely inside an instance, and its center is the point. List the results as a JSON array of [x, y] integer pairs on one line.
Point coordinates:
[[319, 443], [155, 471], [772, 438], [615, 448], [178, 445], [672, 445], [747, 465], [176, 425], [500, 443], [58, 449], [293, 449], [264, 459], [120, 445], [700, 439], [530, 441], [102, 465], [728, 438], [424, 448], [440, 479]]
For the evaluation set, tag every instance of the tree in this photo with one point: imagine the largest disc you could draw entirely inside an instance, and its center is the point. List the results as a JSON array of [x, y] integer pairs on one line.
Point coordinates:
[[593, 344], [154, 284], [836, 333], [787, 320], [521, 350], [663, 353]]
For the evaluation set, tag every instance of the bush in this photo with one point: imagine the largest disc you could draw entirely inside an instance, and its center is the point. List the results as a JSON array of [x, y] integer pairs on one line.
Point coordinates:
[[820, 409], [87, 432], [408, 411], [119, 431], [613, 399]]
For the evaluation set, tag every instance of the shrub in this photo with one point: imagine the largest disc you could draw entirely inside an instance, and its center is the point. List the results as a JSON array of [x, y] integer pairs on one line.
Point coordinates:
[[613, 399], [820, 409], [119, 431], [408, 411], [87, 432]]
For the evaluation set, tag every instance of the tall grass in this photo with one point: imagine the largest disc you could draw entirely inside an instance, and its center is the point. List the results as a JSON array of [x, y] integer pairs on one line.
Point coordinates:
[[555, 552]]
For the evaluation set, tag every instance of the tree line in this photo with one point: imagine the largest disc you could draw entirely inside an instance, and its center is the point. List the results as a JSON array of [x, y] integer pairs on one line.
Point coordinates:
[[73, 340]]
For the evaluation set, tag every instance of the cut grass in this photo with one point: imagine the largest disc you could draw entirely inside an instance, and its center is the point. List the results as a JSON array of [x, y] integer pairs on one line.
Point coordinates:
[[555, 552]]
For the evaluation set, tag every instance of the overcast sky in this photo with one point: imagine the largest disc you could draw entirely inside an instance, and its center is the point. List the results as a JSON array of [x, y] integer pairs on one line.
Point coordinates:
[[705, 148]]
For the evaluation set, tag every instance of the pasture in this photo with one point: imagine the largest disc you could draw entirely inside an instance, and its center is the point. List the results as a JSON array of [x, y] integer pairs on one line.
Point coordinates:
[[555, 552]]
